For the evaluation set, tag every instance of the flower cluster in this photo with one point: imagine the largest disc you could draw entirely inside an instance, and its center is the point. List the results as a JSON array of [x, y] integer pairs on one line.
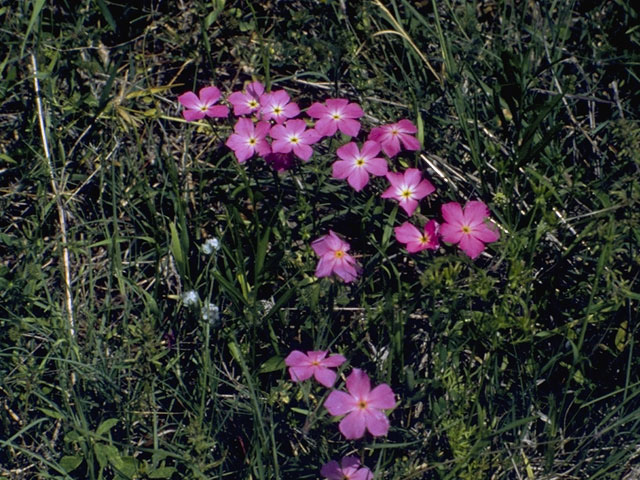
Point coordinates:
[[362, 408], [269, 126]]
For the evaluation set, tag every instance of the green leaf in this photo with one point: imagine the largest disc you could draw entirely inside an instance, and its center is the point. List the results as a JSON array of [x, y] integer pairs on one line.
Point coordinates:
[[274, 364], [176, 249], [106, 426], [129, 467], [106, 14], [70, 462], [162, 472], [37, 7], [621, 336], [51, 413]]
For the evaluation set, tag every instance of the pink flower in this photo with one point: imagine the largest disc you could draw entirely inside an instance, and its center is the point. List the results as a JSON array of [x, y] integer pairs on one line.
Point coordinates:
[[247, 101], [198, 107], [302, 367], [349, 469], [248, 139], [390, 136], [408, 188], [356, 165], [362, 406], [334, 258], [277, 106], [416, 240], [467, 227], [293, 136], [337, 114]]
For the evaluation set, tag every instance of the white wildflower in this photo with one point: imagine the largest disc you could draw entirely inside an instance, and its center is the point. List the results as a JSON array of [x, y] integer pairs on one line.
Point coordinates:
[[211, 313], [190, 298], [210, 245]]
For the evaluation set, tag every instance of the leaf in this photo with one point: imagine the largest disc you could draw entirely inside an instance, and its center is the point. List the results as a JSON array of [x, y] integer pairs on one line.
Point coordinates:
[[106, 426], [129, 467], [51, 413], [621, 336], [176, 249], [70, 462], [162, 472], [273, 364], [37, 7], [106, 14]]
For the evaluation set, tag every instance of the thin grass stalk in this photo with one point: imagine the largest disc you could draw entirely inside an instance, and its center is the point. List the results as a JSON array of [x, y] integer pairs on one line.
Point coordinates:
[[62, 218]]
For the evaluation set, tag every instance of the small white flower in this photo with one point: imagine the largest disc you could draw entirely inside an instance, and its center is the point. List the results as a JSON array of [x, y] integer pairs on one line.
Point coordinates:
[[190, 298], [211, 313], [210, 245]]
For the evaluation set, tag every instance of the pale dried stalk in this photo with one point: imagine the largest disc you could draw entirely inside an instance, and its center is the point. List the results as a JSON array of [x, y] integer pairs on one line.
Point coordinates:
[[61, 213]]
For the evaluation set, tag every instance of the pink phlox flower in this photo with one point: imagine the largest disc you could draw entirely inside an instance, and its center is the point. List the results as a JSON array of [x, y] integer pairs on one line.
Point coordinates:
[[316, 363], [248, 101], [467, 227], [362, 406], [390, 136], [336, 114], [249, 139], [408, 188], [197, 106], [334, 258], [277, 106], [348, 469], [280, 161], [293, 136], [356, 165], [417, 240]]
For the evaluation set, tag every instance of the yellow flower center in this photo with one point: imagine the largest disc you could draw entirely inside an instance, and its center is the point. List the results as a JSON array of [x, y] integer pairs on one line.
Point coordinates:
[[338, 254], [360, 162], [294, 139], [424, 238], [277, 110], [466, 229], [406, 193], [336, 116], [362, 405], [252, 141], [204, 108], [253, 103], [394, 131]]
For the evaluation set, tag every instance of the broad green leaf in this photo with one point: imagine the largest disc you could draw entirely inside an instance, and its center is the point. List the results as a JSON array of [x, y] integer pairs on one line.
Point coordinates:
[[273, 364], [70, 462], [106, 426], [162, 472]]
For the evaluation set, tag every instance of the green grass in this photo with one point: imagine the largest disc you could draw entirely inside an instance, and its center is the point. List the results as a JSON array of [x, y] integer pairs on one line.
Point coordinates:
[[520, 364]]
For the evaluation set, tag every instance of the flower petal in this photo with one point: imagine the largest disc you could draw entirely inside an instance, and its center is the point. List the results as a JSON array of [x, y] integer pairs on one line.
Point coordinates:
[[377, 166], [382, 397], [209, 95], [358, 383], [325, 376], [334, 360], [332, 471], [471, 246], [358, 178], [299, 374], [190, 100], [406, 233], [376, 422], [339, 403], [353, 425], [452, 214], [297, 359]]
